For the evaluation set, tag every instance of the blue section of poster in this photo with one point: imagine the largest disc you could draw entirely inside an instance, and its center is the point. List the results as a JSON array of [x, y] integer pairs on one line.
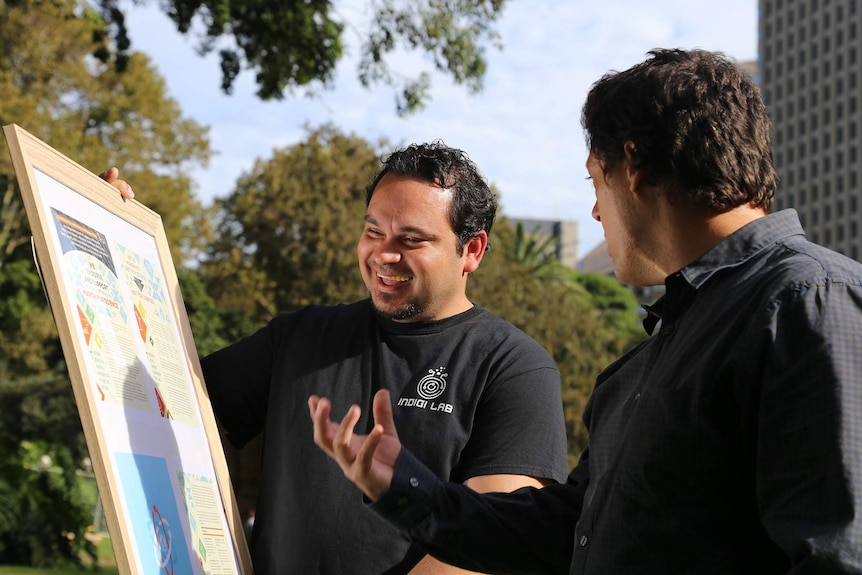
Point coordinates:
[[152, 508]]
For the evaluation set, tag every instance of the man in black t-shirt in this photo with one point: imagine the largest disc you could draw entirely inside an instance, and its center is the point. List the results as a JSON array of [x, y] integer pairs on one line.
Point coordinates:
[[474, 396]]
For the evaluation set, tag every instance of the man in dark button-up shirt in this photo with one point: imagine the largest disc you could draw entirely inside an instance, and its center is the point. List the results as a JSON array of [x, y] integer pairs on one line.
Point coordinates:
[[728, 442]]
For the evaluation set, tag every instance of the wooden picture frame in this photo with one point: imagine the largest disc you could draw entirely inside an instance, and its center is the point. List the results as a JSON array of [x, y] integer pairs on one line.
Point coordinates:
[[137, 381]]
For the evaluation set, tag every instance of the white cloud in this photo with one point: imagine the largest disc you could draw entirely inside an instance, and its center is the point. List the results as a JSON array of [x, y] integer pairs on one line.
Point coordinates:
[[523, 130]]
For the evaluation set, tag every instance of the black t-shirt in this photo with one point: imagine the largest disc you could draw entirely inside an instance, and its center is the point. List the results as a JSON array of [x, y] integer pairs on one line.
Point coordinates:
[[472, 395]]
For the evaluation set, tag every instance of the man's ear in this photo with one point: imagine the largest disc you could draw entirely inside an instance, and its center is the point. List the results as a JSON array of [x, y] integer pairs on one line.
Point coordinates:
[[474, 251], [634, 175]]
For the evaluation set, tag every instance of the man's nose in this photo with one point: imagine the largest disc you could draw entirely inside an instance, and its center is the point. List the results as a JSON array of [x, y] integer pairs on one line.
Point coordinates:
[[387, 252], [595, 213]]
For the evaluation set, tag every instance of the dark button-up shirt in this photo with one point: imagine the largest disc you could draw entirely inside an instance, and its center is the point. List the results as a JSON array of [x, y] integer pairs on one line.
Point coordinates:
[[730, 441]]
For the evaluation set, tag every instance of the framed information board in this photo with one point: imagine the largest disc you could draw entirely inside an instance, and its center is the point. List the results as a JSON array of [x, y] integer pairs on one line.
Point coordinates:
[[135, 373]]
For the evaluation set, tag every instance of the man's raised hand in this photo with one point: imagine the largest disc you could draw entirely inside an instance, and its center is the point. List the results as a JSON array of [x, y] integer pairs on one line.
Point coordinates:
[[367, 460]]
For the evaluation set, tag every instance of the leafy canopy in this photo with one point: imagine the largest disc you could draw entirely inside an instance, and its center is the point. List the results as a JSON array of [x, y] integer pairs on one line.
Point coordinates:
[[297, 44], [60, 82]]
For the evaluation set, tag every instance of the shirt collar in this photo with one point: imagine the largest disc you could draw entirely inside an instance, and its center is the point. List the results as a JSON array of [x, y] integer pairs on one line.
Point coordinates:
[[742, 245], [734, 250]]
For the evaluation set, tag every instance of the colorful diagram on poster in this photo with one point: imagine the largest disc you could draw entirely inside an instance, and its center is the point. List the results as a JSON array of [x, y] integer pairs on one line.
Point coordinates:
[[157, 331], [102, 313], [153, 515]]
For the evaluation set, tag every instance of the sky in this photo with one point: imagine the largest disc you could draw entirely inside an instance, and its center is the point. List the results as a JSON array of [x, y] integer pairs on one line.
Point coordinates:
[[522, 130]]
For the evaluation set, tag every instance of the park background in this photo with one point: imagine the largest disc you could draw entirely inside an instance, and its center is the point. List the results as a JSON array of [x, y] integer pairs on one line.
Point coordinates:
[[262, 200]]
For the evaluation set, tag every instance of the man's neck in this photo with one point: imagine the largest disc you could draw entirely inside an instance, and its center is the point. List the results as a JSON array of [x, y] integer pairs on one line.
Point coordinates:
[[694, 231]]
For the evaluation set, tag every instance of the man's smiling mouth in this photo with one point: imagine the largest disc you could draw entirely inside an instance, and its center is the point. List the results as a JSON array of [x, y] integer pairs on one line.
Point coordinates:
[[393, 279]]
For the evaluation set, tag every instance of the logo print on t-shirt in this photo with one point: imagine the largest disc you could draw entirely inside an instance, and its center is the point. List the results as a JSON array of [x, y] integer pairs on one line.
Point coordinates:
[[429, 388], [433, 384]]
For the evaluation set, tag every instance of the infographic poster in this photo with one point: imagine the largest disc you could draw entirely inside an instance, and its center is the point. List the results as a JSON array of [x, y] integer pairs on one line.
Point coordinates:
[[136, 377]]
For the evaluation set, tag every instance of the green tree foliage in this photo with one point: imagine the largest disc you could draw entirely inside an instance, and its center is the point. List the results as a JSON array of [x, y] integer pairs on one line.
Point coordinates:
[[531, 249], [616, 305], [59, 81], [287, 234], [52, 86], [205, 316], [297, 43], [42, 516]]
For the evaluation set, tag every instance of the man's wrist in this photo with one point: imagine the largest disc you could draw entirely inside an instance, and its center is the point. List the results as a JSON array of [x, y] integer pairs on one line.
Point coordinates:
[[407, 503]]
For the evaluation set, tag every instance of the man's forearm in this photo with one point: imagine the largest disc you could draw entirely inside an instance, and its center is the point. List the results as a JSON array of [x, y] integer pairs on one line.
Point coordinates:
[[527, 531]]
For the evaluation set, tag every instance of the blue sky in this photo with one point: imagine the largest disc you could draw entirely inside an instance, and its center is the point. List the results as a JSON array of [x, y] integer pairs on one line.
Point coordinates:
[[522, 130]]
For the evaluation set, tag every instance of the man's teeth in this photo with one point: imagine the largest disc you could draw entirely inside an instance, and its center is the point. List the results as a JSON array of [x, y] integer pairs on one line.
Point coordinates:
[[400, 278]]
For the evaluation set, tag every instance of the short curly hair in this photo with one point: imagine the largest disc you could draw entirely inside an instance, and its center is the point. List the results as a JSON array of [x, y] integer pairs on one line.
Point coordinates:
[[698, 124], [474, 205]]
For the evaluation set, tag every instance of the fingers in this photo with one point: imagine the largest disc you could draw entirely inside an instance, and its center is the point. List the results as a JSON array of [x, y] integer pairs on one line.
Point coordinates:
[[367, 460], [382, 410], [365, 457], [112, 176], [320, 409], [343, 436]]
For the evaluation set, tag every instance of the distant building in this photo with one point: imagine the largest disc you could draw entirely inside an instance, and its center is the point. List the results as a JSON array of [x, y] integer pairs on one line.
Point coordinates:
[[564, 232], [810, 54]]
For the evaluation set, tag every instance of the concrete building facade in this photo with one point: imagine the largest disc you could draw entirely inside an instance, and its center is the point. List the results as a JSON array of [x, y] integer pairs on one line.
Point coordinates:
[[810, 71]]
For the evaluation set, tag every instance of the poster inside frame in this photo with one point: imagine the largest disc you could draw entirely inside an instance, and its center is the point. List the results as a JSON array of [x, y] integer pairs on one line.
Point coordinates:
[[135, 373]]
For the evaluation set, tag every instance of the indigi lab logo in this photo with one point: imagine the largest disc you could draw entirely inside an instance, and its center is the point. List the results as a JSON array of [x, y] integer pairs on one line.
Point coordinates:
[[433, 384]]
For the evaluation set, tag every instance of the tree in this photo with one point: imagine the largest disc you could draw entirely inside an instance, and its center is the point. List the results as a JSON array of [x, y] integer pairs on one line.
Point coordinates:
[[61, 84], [53, 86], [616, 304], [287, 234], [296, 44], [531, 249], [42, 516]]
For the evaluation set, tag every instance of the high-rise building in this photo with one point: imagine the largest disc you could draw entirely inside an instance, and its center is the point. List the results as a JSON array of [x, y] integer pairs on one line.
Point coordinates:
[[810, 70]]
